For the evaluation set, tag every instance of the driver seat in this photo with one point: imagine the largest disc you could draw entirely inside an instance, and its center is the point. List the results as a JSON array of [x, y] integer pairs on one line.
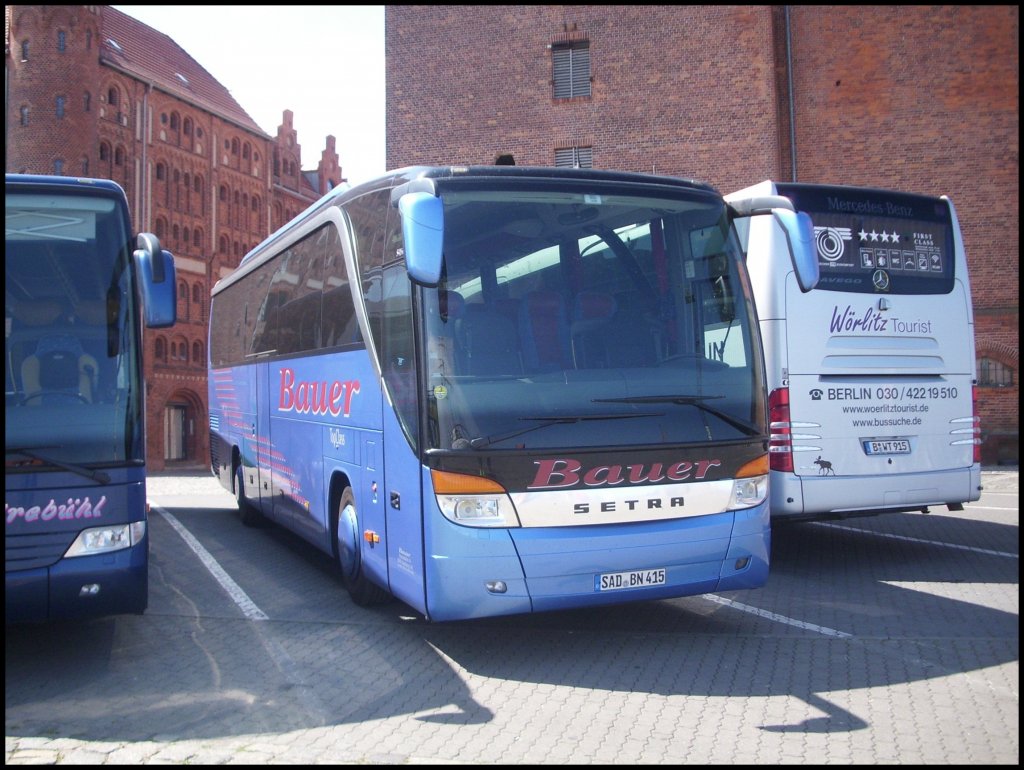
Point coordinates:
[[59, 365]]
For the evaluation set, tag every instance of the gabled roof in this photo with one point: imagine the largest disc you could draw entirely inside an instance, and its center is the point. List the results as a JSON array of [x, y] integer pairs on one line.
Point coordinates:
[[153, 57]]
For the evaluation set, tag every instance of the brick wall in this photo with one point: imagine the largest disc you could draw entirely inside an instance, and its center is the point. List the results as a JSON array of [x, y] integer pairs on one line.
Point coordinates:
[[917, 98]]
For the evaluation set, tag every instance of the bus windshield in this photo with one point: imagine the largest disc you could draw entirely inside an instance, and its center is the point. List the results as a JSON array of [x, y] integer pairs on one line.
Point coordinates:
[[72, 381], [588, 318]]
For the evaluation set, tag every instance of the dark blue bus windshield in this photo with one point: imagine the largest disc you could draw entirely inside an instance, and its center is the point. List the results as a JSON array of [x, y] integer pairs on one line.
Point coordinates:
[[72, 380]]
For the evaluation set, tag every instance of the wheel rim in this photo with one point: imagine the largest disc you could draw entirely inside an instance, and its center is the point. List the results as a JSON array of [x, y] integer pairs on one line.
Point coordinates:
[[348, 541]]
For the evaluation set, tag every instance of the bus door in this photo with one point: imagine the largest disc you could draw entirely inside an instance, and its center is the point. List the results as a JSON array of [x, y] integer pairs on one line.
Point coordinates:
[[263, 445], [403, 509], [402, 494]]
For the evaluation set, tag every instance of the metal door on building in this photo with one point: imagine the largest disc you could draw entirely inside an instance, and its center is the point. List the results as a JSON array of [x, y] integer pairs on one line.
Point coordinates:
[[175, 432]]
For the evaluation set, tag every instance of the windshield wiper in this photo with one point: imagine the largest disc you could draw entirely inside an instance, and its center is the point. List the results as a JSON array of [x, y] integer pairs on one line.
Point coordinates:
[[697, 401], [545, 421], [98, 476]]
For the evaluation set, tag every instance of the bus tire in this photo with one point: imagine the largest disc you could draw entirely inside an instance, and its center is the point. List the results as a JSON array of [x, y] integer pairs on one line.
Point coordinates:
[[348, 546], [246, 511]]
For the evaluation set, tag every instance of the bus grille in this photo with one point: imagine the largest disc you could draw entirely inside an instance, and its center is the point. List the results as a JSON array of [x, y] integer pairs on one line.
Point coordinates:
[[22, 552]]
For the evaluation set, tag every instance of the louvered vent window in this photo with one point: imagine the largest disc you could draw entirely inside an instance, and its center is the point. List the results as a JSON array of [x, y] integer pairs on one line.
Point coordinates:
[[572, 70], [574, 157]]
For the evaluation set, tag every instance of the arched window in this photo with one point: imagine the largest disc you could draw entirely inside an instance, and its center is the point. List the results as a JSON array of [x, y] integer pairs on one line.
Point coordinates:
[[86, 102], [62, 40], [182, 300], [112, 97], [161, 171], [24, 115], [160, 353], [187, 127], [197, 352], [104, 151], [119, 156], [197, 237], [994, 374]]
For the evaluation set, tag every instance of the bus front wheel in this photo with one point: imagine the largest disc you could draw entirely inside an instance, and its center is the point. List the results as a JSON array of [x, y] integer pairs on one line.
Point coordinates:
[[349, 549]]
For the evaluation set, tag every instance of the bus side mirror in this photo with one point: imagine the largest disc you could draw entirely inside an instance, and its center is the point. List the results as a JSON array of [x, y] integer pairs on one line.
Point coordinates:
[[423, 231], [157, 282], [799, 233]]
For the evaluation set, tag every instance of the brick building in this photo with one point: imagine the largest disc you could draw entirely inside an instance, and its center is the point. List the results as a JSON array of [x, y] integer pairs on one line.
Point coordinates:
[[91, 91], [923, 99]]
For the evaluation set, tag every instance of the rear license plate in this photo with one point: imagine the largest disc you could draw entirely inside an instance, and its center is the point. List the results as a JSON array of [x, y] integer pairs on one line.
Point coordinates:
[[641, 578], [895, 446]]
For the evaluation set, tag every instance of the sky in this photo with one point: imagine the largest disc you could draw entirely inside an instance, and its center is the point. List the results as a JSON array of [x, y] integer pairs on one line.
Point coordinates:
[[324, 63]]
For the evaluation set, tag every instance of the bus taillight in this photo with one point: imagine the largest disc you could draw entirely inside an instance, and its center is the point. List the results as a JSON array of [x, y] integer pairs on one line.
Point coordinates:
[[780, 441]]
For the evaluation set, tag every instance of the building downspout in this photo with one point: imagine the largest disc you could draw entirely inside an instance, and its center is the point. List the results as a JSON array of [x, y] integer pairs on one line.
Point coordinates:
[[792, 109], [146, 224]]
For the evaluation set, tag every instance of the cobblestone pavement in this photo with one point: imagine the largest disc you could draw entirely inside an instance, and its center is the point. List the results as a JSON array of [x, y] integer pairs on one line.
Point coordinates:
[[873, 643]]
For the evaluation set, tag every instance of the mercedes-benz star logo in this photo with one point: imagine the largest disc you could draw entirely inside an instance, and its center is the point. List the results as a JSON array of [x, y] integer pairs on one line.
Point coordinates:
[[880, 279]]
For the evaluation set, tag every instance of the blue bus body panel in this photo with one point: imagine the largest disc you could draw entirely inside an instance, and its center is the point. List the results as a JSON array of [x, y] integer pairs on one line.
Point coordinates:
[[558, 568], [40, 585]]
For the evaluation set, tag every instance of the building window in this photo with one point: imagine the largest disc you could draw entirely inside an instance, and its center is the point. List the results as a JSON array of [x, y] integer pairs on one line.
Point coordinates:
[[24, 50], [571, 66], [574, 157], [24, 116], [60, 106], [58, 167], [993, 374], [86, 102], [112, 97], [62, 41], [85, 167]]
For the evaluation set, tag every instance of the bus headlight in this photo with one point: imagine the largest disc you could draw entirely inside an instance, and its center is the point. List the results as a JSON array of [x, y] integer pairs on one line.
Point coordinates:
[[750, 487], [116, 537], [473, 501], [746, 493]]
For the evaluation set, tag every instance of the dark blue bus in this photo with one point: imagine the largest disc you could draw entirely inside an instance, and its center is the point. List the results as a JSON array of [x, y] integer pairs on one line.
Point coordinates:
[[76, 297]]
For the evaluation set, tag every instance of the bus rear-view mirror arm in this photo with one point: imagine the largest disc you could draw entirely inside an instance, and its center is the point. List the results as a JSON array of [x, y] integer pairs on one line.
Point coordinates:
[[796, 226]]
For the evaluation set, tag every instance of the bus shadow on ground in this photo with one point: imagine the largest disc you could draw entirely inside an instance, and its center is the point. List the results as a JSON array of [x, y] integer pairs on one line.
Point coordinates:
[[184, 674]]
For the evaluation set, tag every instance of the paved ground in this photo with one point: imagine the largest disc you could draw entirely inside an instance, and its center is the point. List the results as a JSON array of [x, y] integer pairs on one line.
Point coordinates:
[[890, 640]]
